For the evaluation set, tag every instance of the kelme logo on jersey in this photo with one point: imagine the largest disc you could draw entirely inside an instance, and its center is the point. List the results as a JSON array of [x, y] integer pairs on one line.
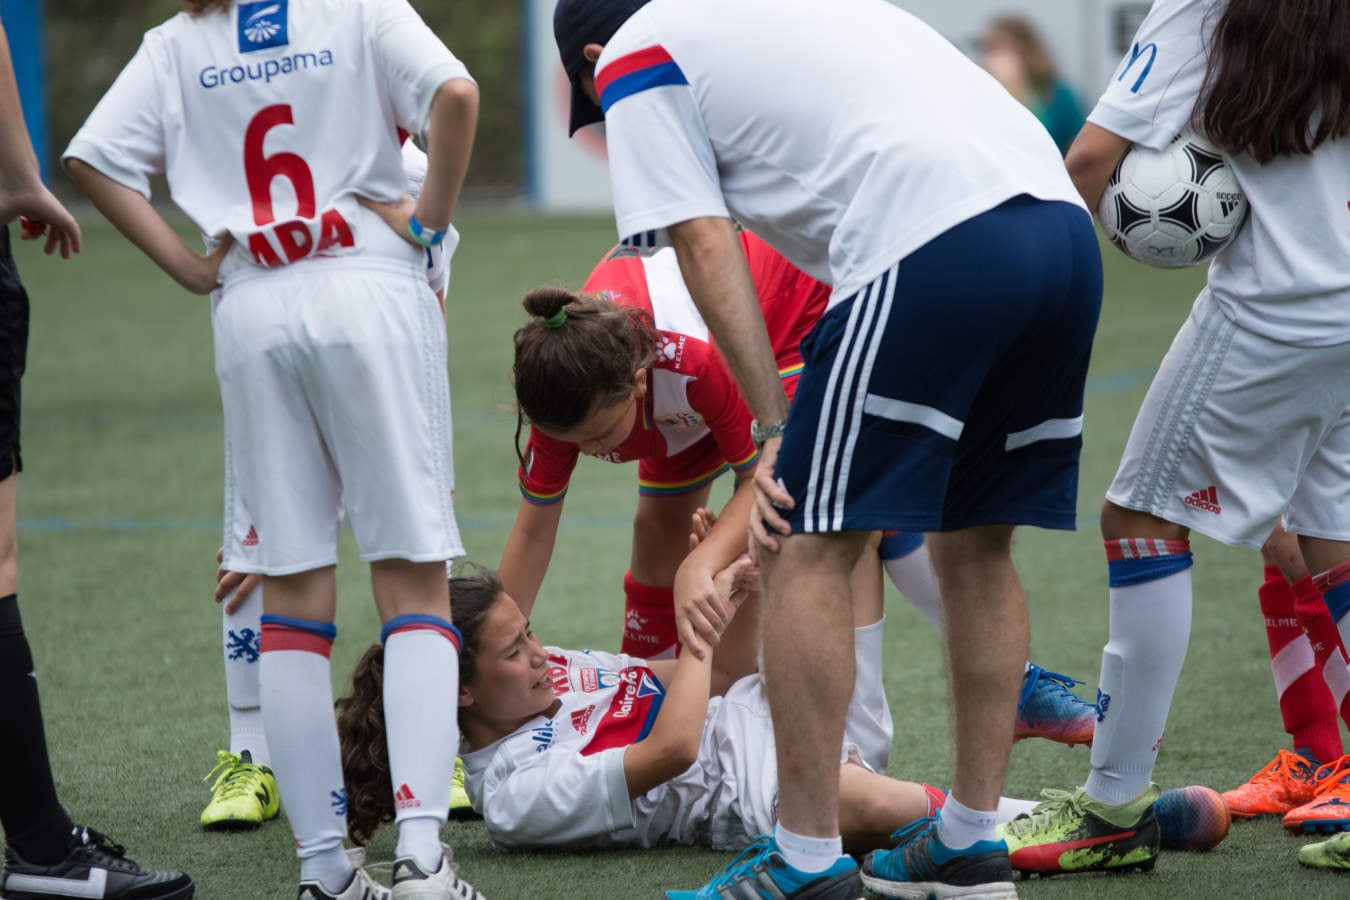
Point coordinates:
[[262, 24]]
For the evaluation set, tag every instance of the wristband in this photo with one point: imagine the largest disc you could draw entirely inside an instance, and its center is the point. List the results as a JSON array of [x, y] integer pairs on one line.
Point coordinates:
[[422, 235]]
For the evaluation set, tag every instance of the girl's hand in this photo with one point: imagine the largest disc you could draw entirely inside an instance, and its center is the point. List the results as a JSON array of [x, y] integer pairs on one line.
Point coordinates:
[[41, 214], [396, 215], [203, 273], [226, 581]]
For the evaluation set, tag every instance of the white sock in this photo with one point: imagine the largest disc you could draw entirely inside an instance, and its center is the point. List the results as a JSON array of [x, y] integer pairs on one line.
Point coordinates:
[[959, 826], [1150, 627], [242, 636], [297, 706], [807, 854], [331, 868], [912, 574], [421, 691]]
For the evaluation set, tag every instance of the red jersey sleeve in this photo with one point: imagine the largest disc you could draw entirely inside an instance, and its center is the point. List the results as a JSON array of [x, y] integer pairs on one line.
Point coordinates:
[[792, 301], [547, 469]]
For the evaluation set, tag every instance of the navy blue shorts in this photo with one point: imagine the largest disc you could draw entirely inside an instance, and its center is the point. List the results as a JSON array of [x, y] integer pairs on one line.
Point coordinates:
[[948, 393], [13, 354]]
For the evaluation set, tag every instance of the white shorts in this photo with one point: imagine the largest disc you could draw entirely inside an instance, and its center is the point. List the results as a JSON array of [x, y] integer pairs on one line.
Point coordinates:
[[335, 393], [1237, 429], [730, 795]]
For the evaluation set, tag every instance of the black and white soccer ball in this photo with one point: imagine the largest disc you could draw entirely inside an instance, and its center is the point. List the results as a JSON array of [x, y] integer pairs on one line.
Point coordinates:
[[1173, 207]]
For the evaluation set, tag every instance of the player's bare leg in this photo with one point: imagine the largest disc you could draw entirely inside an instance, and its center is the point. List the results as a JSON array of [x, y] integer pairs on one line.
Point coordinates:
[[987, 638], [809, 671]]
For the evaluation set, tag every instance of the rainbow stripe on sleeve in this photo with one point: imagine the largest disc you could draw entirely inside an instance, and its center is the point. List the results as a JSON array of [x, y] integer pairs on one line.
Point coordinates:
[[541, 499], [635, 72]]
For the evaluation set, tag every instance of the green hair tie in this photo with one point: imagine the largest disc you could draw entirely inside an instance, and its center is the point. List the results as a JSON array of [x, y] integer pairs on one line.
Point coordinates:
[[557, 319]]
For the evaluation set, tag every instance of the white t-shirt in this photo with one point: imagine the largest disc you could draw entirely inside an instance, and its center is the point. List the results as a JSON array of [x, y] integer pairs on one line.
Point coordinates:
[[269, 118], [1286, 275], [846, 134]]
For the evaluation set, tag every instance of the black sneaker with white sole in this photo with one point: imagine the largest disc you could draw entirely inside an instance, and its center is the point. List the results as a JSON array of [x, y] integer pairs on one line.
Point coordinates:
[[93, 867]]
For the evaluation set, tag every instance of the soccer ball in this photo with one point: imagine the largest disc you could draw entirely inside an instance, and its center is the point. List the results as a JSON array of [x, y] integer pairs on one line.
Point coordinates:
[[1173, 207]]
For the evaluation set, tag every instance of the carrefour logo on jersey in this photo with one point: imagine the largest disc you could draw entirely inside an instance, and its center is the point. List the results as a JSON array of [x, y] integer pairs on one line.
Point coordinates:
[[262, 24]]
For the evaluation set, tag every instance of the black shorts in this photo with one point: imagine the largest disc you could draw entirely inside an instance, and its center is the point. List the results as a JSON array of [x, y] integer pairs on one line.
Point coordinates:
[[13, 354]]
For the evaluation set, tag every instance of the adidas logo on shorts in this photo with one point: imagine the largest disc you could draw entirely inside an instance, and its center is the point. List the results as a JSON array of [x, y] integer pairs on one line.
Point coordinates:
[[1208, 500]]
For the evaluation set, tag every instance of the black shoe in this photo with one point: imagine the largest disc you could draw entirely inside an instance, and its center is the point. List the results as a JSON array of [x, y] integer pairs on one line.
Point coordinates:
[[93, 867]]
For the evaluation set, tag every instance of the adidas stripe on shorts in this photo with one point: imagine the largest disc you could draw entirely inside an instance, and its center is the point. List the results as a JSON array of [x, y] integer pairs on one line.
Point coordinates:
[[948, 393], [1237, 428]]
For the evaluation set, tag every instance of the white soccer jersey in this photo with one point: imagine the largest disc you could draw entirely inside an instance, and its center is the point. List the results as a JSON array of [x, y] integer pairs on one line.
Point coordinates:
[[846, 134], [559, 782], [270, 118], [1285, 275]]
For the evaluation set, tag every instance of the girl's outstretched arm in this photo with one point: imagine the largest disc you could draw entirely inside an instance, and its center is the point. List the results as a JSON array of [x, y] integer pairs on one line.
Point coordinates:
[[672, 744]]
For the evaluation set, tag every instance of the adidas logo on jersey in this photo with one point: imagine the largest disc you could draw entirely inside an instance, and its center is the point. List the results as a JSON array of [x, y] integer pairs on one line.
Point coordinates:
[[250, 539], [1208, 500], [404, 799], [581, 719]]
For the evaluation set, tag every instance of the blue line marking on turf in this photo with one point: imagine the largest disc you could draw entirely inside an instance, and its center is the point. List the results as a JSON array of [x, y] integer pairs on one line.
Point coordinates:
[[1102, 384]]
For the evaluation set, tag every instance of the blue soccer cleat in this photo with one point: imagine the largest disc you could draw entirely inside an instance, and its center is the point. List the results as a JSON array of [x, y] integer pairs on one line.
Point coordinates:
[[1048, 709], [760, 872], [921, 866]]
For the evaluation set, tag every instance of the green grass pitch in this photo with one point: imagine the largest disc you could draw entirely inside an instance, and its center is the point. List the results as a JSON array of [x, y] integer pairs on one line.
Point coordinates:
[[120, 508]]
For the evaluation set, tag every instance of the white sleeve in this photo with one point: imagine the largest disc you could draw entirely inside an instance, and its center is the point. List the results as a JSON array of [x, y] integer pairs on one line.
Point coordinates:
[[557, 798], [1151, 97], [662, 167], [123, 137], [415, 61]]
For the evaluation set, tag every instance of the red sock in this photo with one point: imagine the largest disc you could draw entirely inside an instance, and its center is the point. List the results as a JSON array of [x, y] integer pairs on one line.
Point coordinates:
[[1319, 731], [648, 619]]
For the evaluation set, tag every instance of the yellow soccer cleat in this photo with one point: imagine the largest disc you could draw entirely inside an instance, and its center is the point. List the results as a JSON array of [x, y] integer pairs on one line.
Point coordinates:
[[460, 805], [244, 795]]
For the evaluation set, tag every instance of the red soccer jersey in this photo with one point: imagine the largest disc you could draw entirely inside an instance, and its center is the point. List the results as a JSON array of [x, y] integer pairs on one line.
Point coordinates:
[[693, 423]]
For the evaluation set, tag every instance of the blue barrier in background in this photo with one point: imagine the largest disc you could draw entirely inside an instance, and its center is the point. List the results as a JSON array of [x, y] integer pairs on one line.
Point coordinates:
[[23, 27]]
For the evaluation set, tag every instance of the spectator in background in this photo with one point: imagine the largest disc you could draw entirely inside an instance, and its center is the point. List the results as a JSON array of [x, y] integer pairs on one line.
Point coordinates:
[[1013, 52]]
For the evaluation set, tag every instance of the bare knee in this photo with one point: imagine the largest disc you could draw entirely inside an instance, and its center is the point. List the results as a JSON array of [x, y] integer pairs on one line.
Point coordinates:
[[1119, 522]]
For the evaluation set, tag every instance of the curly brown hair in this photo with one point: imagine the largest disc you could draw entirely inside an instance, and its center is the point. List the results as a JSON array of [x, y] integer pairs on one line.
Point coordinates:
[[1277, 81], [202, 7], [365, 751], [565, 370]]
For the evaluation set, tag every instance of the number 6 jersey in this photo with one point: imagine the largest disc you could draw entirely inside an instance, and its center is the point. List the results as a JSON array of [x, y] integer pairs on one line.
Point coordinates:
[[270, 118]]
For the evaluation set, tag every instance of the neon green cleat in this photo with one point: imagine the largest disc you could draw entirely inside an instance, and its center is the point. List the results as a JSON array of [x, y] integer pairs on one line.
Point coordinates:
[[460, 805], [1332, 854], [244, 795], [1071, 832]]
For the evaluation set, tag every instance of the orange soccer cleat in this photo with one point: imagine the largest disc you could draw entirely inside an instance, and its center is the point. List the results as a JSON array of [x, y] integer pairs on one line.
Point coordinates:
[[1286, 783], [1329, 809]]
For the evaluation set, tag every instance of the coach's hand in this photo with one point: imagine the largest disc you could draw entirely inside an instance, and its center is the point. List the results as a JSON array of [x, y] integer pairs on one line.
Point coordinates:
[[766, 523], [235, 585]]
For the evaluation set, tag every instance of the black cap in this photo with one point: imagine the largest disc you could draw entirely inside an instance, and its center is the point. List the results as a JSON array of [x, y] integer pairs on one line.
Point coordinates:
[[577, 23]]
